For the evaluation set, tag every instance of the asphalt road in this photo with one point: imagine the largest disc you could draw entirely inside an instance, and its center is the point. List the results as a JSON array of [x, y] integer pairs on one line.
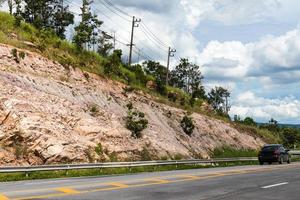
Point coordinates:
[[241, 183]]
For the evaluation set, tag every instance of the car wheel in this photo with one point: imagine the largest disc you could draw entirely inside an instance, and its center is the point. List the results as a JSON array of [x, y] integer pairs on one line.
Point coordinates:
[[270, 163], [261, 162], [289, 160]]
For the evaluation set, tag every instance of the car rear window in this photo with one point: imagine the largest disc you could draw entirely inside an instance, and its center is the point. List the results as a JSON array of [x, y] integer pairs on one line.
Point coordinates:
[[269, 149]]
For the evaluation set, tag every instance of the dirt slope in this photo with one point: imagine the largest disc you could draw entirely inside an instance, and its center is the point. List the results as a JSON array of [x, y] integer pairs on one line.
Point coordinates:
[[45, 117]]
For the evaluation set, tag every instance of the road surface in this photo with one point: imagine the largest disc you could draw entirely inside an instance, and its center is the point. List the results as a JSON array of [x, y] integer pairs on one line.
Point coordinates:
[[240, 183]]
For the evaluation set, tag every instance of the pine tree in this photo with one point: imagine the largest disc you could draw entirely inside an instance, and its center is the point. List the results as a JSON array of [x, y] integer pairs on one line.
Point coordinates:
[[104, 44], [38, 13], [18, 13], [87, 30], [62, 18]]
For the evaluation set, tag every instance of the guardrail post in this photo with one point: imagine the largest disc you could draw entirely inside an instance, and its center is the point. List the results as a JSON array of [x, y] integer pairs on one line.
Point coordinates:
[[67, 172]]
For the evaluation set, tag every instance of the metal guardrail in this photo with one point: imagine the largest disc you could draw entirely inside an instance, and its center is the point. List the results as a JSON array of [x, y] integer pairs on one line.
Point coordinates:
[[295, 152], [121, 164], [127, 164]]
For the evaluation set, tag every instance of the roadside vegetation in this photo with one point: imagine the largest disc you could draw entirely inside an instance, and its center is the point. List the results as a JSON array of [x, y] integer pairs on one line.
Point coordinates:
[[271, 132], [229, 152]]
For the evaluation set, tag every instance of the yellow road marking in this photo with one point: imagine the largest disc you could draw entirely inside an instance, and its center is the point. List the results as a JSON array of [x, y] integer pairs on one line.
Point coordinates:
[[119, 185], [189, 177], [68, 190], [158, 181], [2, 197]]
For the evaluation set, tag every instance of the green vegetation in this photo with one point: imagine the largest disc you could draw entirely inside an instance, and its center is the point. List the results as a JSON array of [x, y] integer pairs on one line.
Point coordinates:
[[271, 132], [187, 125], [135, 121], [99, 149], [229, 152]]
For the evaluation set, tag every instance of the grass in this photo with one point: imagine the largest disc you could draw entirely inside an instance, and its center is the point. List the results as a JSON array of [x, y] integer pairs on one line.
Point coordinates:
[[265, 134], [48, 44], [229, 152], [6, 177]]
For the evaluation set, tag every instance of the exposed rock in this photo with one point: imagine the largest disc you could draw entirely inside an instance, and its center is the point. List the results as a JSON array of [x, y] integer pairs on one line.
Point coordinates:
[[52, 119]]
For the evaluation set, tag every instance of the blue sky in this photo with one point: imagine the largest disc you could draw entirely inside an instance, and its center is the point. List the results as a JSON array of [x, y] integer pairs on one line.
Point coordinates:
[[251, 47]]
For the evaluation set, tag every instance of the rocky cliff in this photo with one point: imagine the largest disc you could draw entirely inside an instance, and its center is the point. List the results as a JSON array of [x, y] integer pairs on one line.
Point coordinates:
[[49, 114]]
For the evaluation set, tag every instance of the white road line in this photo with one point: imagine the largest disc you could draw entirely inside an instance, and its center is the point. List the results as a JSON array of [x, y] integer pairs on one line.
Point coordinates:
[[275, 185]]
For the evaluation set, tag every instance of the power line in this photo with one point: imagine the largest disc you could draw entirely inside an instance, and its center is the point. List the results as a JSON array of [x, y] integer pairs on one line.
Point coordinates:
[[154, 36], [104, 3], [153, 41], [116, 8]]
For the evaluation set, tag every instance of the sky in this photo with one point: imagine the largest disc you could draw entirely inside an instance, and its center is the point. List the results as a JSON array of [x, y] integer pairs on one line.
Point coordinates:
[[251, 47]]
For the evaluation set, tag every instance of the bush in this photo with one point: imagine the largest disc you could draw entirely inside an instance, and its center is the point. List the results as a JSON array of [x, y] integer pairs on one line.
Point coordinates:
[[14, 53], [135, 121], [94, 110], [229, 152], [187, 125], [22, 55], [99, 149], [145, 154]]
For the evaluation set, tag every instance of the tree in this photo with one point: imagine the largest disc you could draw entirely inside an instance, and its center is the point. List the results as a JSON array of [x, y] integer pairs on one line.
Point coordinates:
[[10, 4], [159, 73], [249, 121], [48, 14], [188, 77], [218, 98], [18, 13], [87, 30], [112, 65], [104, 44], [272, 126], [62, 18], [291, 136], [38, 12]]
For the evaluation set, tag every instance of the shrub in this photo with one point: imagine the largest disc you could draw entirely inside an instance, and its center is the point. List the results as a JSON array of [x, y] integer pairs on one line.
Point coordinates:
[[228, 152], [21, 151], [99, 149], [113, 157], [145, 154], [22, 55], [14, 53], [94, 110], [187, 125], [135, 121]]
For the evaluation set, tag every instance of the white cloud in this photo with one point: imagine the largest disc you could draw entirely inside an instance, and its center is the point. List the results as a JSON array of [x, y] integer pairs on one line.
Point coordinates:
[[271, 60], [228, 12], [263, 109]]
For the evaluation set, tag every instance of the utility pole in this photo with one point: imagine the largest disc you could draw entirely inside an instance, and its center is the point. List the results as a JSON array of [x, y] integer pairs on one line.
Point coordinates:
[[170, 54], [134, 25]]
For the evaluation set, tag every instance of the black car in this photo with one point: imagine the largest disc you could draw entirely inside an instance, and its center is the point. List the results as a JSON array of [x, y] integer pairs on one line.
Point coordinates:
[[274, 153]]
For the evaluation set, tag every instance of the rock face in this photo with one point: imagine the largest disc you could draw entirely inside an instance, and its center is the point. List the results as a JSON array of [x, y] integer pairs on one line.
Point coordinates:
[[49, 114]]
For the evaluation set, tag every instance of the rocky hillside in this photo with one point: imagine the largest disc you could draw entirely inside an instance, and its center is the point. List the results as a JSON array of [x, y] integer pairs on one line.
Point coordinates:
[[49, 114]]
